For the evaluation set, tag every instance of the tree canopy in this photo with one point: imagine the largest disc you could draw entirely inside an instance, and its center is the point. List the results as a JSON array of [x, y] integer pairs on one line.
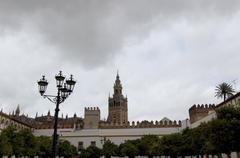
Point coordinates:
[[110, 149], [224, 90], [215, 137], [24, 143]]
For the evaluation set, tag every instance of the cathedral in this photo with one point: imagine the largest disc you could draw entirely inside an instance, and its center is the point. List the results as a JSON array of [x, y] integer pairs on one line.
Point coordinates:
[[91, 128], [117, 116]]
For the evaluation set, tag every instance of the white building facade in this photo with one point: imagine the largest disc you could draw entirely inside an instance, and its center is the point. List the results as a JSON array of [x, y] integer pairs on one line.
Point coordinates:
[[86, 137]]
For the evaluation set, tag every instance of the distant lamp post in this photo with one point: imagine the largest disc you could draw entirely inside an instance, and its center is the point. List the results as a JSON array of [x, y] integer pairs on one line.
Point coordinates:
[[103, 140], [64, 89]]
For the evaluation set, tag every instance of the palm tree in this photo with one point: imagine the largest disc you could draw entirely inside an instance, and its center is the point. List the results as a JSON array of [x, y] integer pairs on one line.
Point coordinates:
[[224, 90]]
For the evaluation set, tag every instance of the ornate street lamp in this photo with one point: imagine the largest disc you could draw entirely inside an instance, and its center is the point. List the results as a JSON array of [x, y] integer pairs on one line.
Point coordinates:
[[64, 89], [42, 85]]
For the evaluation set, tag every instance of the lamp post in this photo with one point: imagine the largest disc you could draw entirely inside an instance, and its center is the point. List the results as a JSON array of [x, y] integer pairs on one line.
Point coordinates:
[[64, 89]]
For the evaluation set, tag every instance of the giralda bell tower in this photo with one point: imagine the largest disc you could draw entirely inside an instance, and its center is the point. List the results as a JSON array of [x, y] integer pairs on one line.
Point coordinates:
[[117, 105]]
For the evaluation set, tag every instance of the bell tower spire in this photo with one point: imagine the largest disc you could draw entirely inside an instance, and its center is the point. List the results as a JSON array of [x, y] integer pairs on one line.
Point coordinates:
[[117, 86], [117, 105]]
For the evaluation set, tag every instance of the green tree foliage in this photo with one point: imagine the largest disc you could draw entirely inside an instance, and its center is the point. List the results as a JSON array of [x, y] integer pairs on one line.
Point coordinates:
[[172, 144], [15, 140], [109, 149], [198, 138], [5, 146], [129, 149], [228, 124], [224, 90], [65, 149], [24, 143], [218, 136], [90, 152], [187, 142], [148, 145], [228, 113], [20, 142], [221, 136], [44, 146], [29, 143]]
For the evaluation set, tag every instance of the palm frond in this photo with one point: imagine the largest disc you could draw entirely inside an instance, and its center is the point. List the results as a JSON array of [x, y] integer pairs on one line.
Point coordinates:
[[224, 90]]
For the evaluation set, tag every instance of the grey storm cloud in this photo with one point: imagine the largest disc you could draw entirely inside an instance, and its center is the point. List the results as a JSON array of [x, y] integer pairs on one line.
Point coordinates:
[[170, 54], [92, 32]]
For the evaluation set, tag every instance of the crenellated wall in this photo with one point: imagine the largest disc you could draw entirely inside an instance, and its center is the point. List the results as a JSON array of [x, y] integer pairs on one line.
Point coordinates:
[[197, 112], [91, 117], [143, 124]]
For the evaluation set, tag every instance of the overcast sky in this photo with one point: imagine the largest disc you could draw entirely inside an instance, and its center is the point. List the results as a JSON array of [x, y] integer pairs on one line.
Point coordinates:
[[170, 54]]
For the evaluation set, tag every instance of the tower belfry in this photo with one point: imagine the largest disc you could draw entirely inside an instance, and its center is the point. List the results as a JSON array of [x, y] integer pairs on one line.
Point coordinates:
[[117, 105]]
